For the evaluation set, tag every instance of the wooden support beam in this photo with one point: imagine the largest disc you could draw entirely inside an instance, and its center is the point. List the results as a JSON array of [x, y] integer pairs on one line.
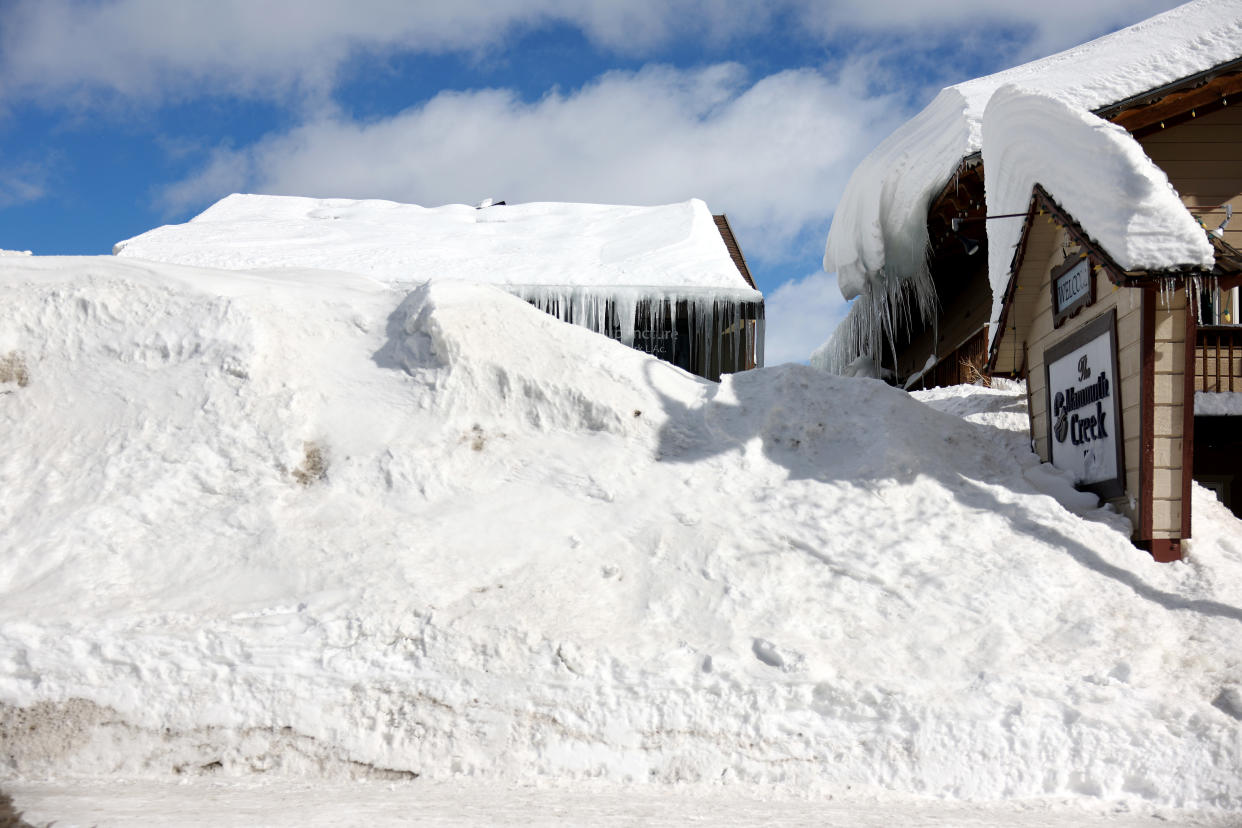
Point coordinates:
[[1177, 107]]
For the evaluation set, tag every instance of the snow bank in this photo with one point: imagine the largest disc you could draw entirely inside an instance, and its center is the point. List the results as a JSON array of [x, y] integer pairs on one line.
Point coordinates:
[[550, 244], [1218, 403], [306, 523], [878, 233], [1095, 170]]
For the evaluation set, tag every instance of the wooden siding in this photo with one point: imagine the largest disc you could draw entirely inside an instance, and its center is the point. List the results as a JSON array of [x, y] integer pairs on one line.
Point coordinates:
[[1031, 330], [960, 321], [964, 364], [1203, 159], [1218, 358], [1042, 237], [735, 249]]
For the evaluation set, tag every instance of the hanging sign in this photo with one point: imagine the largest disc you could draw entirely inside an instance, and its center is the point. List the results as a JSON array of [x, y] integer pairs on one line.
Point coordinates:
[[1083, 397], [1072, 289]]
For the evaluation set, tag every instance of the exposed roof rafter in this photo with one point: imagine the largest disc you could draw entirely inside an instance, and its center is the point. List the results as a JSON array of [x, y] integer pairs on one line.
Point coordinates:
[[1179, 101]]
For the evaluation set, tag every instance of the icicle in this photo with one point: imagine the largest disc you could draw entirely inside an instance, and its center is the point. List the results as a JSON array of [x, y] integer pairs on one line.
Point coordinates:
[[700, 335], [621, 312], [760, 337], [885, 307], [626, 304]]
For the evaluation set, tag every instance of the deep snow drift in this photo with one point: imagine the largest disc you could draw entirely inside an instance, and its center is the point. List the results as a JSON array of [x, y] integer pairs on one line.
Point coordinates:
[[308, 523]]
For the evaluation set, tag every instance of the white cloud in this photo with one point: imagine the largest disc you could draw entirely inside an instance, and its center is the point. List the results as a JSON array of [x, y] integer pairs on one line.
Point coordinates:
[[1053, 24], [22, 183], [155, 49], [800, 316], [151, 50], [773, 154]]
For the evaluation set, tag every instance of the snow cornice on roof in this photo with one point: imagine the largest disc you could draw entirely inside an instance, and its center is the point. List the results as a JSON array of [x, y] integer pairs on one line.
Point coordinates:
[[672, 249], [1096, 172], [1227, 264], [879, 231]]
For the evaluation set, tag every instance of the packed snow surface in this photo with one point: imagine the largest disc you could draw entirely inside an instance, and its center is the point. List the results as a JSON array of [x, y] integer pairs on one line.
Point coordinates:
[[584, 245], [304, 524], [212, 801], [1218, 403]]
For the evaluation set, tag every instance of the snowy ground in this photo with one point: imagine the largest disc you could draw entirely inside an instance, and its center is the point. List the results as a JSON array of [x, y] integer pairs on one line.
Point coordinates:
[[267, 533], [139, 804]]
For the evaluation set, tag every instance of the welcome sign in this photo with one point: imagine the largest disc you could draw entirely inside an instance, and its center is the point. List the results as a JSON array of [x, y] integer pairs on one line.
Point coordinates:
[[1073, 288], [1083, 402]]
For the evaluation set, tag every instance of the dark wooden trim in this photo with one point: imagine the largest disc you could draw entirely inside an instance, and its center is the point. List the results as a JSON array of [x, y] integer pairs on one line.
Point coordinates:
[[1041, 203], [1166, 550], [1099, 256], [1060, 314], [1112, 111], [1011, 287], [1188, 413], [1180, 107], [1103, 325], [948, 192], [1147, 413], [735, 249]]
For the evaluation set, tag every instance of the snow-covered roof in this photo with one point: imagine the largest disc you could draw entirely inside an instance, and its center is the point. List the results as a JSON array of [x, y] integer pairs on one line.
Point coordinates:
[[879, 231], [1096, 171], [675, 246]]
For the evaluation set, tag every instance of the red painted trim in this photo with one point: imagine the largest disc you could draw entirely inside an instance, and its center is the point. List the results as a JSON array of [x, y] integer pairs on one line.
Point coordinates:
[[1166, 550], [1188, 413], [1147, 414]]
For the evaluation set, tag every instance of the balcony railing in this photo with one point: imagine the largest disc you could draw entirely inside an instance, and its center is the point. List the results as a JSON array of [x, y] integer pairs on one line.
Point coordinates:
[[1218, 358]]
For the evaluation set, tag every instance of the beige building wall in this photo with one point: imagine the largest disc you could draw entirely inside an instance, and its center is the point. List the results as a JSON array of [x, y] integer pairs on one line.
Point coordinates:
[[1168, 420], [1034, 326], [1203, 159]]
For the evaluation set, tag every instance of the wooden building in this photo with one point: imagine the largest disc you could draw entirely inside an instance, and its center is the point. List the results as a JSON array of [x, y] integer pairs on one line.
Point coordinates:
[[706, 331], [669, 280], [1133, 376], [1171, 335]]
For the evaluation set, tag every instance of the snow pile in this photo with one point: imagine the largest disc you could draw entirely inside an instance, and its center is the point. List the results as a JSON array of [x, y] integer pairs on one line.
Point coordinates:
[[304, 523], [1218, 403], [879, 235]]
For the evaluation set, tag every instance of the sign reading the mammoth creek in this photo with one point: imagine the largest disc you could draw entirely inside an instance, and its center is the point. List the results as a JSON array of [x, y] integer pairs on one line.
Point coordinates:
[[1083, 396]]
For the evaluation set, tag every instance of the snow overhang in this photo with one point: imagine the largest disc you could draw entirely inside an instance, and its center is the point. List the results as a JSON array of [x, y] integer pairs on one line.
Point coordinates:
[[877, 231], [676, 247], [1096, 172]]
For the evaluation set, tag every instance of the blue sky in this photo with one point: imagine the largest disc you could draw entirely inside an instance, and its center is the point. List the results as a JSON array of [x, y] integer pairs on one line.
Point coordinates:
[[116, 117]]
